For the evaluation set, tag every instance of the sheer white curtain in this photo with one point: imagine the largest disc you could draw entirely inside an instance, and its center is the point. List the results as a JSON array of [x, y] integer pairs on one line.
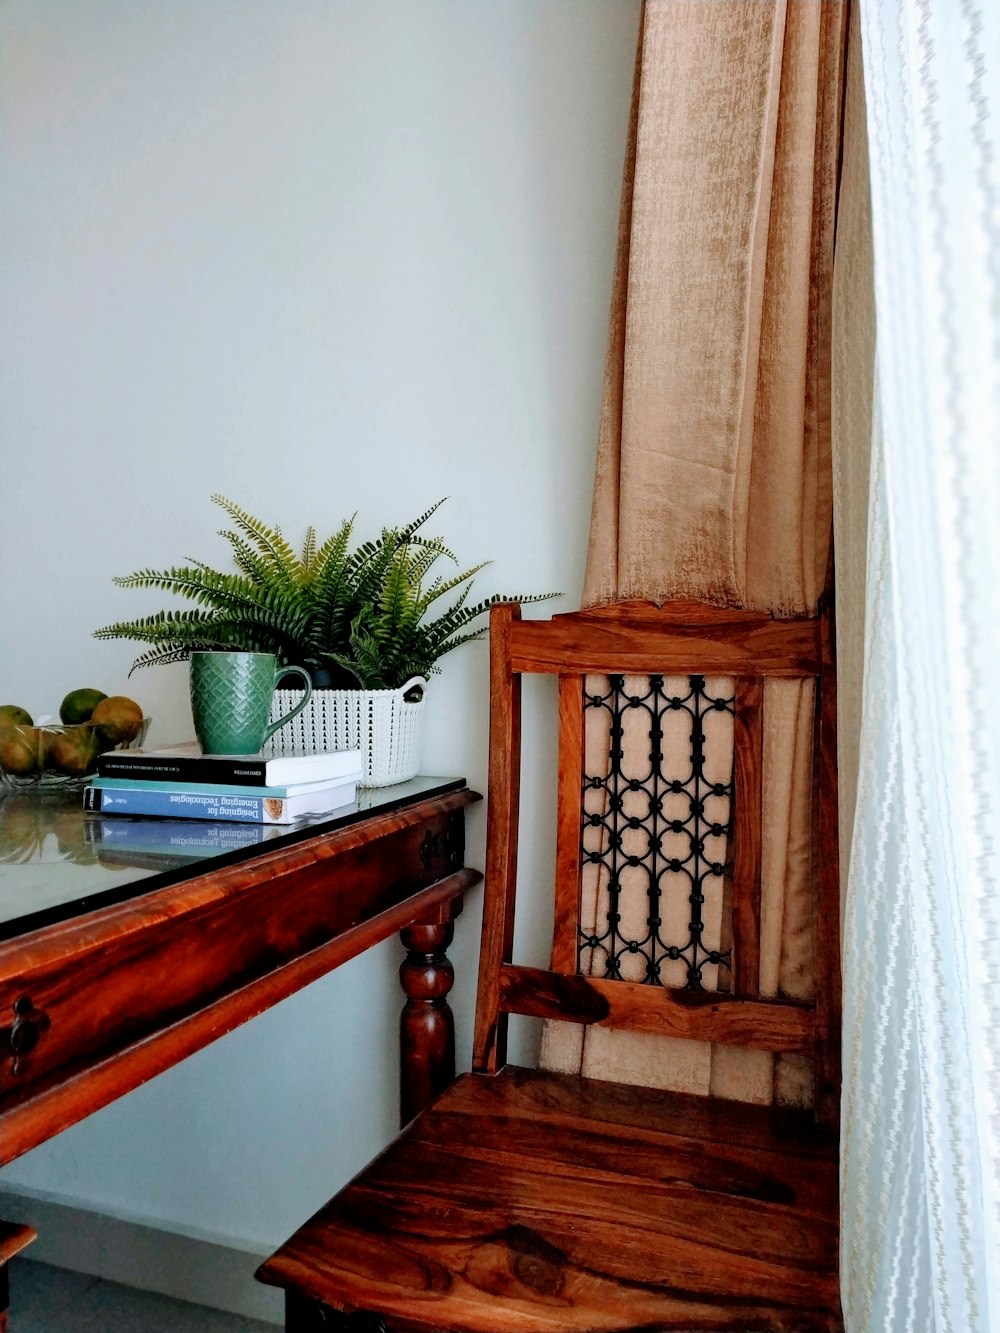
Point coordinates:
[[921, 1162]]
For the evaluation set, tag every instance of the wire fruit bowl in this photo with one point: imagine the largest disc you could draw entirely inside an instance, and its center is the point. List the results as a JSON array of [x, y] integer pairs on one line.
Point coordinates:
[[53, 755]]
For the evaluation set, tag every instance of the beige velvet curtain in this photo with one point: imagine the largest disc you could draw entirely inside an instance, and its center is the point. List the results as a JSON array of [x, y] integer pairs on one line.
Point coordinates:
[[714, 473]]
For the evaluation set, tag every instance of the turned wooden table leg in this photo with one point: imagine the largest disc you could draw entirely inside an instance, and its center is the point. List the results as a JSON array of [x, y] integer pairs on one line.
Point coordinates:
[[426, 1025]]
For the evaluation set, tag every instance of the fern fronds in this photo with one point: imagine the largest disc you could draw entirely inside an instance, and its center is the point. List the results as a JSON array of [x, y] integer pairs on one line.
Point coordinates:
[[269, 541], [438, 588], [253, 565], [334, 549], [232, 593], [361, 613], [407, 532], [308, 549]]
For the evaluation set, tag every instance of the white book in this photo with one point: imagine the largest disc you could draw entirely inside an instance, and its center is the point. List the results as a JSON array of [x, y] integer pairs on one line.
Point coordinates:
[[186, 763]]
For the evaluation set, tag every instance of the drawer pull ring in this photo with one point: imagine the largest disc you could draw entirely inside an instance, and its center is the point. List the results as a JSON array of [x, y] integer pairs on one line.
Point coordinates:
[[27, 1028]]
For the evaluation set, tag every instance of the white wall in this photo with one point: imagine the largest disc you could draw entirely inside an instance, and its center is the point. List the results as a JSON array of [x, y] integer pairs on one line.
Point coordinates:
[[320, 256]]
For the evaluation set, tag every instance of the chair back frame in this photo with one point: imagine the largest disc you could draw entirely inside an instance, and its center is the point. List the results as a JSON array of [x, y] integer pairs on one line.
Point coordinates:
[[679, 638]]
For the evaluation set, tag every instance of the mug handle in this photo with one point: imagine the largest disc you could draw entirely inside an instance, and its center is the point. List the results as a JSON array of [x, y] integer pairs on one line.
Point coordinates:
[[285, 671]]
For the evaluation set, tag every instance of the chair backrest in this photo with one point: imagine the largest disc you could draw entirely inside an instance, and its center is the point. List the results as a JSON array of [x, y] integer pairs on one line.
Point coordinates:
[[598, 656]]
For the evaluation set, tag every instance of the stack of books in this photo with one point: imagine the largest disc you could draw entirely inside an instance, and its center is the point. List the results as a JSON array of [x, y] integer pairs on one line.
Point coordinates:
[[182, 783]]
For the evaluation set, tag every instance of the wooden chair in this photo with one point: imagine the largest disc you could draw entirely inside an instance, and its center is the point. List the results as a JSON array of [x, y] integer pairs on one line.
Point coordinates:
[[13, 1239], [526, 1200]]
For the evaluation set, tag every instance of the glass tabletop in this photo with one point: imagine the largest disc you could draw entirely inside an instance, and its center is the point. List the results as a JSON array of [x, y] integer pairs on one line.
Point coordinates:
[[57, 862]]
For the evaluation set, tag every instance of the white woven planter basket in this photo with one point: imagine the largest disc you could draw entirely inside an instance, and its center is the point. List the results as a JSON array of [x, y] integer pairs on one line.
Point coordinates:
[[380, 722]]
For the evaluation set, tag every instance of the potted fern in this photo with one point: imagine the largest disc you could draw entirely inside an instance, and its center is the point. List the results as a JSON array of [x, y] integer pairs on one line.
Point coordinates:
[[368, 621]]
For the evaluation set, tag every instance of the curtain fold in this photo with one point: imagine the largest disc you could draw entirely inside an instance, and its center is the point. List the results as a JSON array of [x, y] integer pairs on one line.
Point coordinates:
[[921, 1111], [713, 473], [713, 476]]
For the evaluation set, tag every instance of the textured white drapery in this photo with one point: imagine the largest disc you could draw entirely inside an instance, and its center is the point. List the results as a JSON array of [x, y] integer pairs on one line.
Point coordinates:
[[921, 1158]]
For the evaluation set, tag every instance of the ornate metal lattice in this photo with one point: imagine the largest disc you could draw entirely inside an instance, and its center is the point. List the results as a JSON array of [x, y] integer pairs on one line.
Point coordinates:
[[645, 827]]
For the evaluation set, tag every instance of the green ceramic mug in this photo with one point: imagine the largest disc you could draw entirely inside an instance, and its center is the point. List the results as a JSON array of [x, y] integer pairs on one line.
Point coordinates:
[[231, 699]]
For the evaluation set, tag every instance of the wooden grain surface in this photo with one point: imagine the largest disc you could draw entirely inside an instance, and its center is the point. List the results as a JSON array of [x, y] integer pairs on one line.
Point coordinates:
[[569, 803], [426, 1025], [676, 639], [747, 833], [528, 1201], [698, 1015], [538, 1203], [125, 992], [489, 1048]]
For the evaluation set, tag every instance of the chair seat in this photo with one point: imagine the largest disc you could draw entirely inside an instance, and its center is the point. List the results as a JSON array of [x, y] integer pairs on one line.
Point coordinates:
[[529, 1201]]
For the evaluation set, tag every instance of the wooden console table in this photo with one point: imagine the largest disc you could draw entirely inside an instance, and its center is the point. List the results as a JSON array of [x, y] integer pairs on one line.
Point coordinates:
[[127, 944]]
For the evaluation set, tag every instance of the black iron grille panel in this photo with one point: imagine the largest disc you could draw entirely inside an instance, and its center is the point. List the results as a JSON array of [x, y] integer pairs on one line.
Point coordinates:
[[645, 829]]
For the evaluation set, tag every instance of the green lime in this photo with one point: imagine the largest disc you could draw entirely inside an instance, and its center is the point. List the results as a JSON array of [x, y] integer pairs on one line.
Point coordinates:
[[78, 706]]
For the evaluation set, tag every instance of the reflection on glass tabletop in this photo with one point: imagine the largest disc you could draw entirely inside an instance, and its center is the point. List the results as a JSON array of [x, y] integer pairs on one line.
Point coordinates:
[[57, 862]]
